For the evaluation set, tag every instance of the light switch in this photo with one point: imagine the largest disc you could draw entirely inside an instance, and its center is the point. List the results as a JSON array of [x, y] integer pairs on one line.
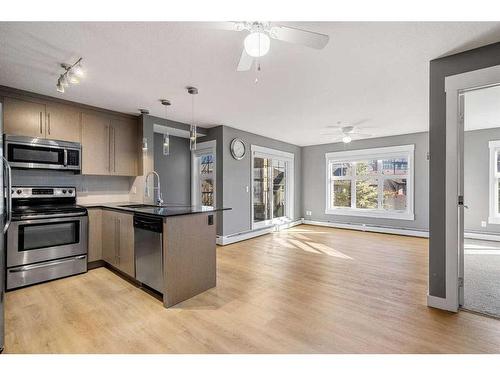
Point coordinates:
[[247, 189]]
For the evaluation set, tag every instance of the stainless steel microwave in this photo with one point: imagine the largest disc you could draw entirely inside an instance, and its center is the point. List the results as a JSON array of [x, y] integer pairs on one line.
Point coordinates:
[[41, 153]]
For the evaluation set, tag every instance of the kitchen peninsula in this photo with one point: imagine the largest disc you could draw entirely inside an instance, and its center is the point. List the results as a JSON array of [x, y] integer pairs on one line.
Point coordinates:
[[188, 249]]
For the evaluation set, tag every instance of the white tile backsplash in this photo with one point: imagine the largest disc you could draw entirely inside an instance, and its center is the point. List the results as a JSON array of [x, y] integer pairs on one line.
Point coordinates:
[[90, 189]]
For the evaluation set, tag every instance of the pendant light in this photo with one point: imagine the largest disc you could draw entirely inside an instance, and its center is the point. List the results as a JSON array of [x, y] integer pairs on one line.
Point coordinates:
[[166, 137], [192, 130]]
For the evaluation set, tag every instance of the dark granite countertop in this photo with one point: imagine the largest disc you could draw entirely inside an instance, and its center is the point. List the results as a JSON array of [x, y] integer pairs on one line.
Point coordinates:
[[162, 211]]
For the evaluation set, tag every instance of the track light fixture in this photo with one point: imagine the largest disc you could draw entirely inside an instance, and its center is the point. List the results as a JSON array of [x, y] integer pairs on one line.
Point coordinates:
[[72, 75]]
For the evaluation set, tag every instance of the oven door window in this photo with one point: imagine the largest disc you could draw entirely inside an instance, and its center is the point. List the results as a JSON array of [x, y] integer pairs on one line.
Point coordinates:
[[35, 154], [42, 236]]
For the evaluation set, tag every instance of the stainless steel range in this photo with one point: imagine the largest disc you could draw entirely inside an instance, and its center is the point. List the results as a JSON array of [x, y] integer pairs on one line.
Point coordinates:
[[47, 238]]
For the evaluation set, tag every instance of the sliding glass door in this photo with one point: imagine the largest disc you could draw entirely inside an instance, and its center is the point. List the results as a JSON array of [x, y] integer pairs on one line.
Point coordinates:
[[272, 187]]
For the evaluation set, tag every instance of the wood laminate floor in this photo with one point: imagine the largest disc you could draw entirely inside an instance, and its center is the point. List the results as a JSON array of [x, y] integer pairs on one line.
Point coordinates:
[[306, 290]]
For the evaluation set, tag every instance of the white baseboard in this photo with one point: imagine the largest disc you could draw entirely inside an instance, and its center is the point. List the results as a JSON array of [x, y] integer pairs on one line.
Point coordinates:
[[440, 303], [232, 238], [371, 228], [482, 236]]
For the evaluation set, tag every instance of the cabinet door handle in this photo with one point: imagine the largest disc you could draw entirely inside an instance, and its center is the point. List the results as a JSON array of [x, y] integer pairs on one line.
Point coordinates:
[[108, 132], [41, 130], [114, 150], [48, 116]]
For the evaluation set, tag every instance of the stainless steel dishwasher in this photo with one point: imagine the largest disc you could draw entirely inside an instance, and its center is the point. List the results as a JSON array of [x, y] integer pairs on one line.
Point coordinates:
[[148, 246]]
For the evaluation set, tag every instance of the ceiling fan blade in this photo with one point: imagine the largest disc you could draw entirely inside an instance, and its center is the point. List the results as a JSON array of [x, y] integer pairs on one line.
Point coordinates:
[[359, 122], [228, 25], [245, 63], [299, 36], [360, 135]]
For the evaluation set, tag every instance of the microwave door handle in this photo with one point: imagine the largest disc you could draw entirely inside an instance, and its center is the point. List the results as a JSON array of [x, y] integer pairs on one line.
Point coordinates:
[[8, 195], [65, 157]]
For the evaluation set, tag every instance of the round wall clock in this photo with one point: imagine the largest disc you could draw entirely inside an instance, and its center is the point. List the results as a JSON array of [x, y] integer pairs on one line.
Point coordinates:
[[238, 149]]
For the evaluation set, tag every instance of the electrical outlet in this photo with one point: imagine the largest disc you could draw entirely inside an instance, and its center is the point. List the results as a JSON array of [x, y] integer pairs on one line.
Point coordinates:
[[308, 213], [483, 224]]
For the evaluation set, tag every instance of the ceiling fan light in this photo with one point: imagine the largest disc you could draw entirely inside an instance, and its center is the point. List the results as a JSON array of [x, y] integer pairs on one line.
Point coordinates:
[[346, 139], [257, 44]]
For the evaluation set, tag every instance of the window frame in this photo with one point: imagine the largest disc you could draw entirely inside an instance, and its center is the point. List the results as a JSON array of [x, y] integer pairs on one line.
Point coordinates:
[[289, 159], [406, 151], [494, 177]]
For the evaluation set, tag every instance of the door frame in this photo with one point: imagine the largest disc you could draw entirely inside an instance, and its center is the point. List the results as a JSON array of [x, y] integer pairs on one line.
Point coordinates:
[[455, 86], [202, 148], [290, 182]]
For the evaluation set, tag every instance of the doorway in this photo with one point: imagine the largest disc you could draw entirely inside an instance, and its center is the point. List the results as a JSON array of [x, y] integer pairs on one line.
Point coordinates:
[[481, 208], [456, 88], [272, 187]]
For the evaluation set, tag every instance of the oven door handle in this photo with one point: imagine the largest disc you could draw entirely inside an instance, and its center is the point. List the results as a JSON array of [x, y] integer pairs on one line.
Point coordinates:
[[8, 194], [63, 217], [46, 264]]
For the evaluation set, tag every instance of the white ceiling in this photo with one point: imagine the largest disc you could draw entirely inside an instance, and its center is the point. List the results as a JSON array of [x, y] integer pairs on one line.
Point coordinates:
[[482, 109], [377, 73]]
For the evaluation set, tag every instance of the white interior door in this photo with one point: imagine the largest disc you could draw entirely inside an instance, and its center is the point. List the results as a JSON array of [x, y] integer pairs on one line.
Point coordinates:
[[461, 197]]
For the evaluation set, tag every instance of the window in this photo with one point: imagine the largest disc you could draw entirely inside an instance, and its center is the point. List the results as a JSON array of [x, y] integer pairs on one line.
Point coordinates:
[[372, 182], [494, 202], [272, 186]]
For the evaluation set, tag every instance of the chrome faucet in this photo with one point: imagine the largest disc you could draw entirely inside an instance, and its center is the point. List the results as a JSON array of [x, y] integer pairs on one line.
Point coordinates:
[[159, 200]]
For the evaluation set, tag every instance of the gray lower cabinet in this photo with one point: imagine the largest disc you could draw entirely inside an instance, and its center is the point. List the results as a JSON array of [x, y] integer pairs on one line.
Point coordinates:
[[118, 241]]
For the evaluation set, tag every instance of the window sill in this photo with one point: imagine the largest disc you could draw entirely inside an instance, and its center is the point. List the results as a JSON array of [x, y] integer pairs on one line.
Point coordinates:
[[371, 213]]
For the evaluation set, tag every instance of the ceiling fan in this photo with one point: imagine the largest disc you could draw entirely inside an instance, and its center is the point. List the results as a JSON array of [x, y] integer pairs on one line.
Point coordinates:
[[258, 41], [346, 133]]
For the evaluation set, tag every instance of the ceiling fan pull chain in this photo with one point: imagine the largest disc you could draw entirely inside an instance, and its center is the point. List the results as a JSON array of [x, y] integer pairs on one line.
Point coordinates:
[[257, 70]]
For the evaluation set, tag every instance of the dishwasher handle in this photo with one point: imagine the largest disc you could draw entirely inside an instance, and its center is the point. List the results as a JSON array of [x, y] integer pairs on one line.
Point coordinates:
[[151, 224]]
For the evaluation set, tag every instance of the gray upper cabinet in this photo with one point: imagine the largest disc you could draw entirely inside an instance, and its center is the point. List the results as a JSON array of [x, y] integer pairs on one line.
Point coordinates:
[[23, 117], [63, 123], [33, 119]]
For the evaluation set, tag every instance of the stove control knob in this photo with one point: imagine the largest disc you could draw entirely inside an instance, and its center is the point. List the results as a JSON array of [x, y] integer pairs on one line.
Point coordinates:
[[70, 191], [64, 191], [19, 191]]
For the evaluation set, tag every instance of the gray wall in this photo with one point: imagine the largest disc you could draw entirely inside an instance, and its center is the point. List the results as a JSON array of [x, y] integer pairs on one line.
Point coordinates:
[[314, 181], [174, 169], [477, 179], [235, 176], [478, 58]]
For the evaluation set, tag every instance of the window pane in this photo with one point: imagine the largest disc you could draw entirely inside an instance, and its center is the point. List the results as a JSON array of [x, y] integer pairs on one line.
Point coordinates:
[[279, 188], [341, 169], [398, 166], [395, 194], [341, 193], [261, 198], [367, 193], [366, 168]]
